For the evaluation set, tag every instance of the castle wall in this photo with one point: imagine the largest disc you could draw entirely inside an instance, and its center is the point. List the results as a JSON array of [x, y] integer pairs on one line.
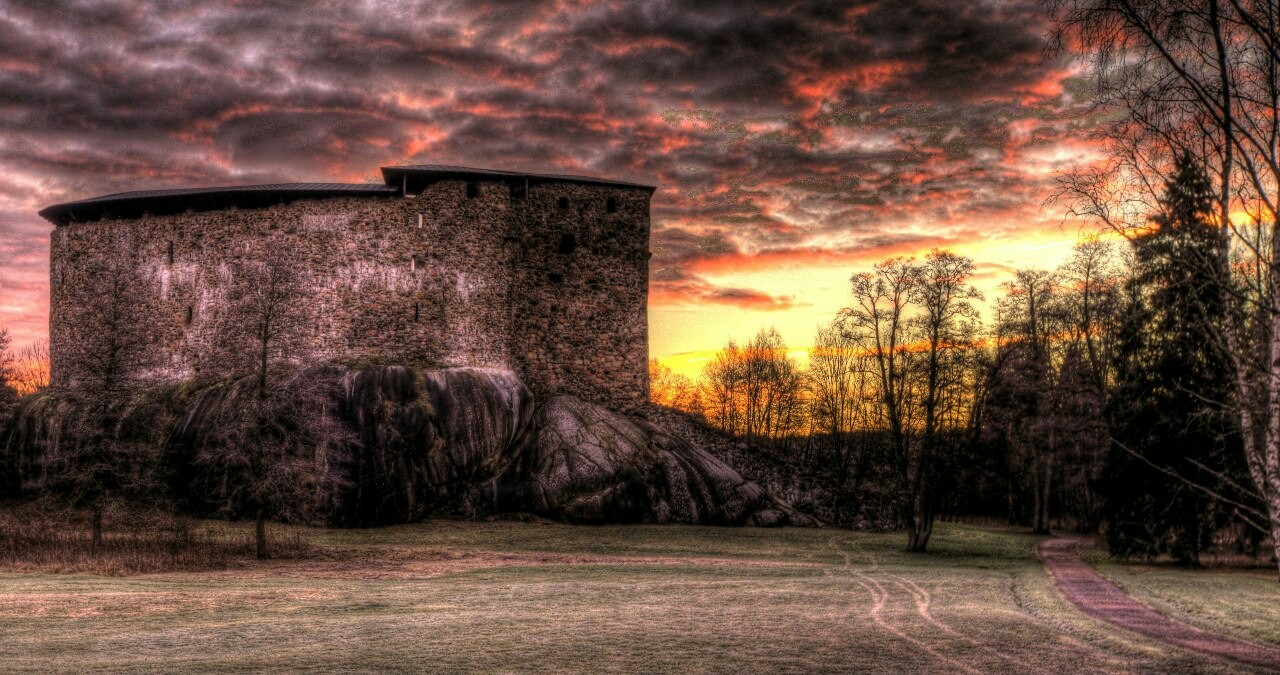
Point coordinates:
[[440, 278], [583, 279]]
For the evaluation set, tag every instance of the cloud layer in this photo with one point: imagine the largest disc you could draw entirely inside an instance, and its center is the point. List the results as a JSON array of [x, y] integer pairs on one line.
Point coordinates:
[[783, 137]]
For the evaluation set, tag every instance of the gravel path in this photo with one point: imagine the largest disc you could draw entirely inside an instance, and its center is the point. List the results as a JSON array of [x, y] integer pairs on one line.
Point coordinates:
[[1101, 599]]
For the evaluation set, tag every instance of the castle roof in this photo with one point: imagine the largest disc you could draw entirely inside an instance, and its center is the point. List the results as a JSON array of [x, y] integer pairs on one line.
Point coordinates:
[[396, 179], [161, 202], [394, 175]]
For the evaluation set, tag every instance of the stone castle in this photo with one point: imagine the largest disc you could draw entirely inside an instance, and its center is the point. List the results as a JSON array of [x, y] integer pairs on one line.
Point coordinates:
[[543, 275]]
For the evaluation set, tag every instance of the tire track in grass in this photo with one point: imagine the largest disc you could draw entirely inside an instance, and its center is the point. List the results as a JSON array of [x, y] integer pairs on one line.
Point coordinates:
[[923, 603], [879, 598]]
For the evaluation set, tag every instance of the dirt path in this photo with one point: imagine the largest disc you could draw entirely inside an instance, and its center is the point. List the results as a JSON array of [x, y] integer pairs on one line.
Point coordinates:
[[1101, 599]]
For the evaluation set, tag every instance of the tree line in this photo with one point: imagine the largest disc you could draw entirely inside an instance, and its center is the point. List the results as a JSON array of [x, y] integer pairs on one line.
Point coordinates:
[[1092, 398], [1161, 357]]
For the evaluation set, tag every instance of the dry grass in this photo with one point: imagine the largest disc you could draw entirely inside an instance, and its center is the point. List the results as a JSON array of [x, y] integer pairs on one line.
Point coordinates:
[[36, 538], [448, 596]]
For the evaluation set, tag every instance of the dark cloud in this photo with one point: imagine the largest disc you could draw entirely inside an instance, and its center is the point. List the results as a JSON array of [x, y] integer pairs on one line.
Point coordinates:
[[774, 131]]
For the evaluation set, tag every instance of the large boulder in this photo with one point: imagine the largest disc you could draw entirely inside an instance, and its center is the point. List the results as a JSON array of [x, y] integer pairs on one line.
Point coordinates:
[[419, 439], [425, 438], [588, 464]]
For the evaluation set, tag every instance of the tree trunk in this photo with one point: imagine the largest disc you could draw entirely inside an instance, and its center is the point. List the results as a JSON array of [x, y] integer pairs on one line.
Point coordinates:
[[96, 525], [1037, 477], [922, 523], [1040, 494], [1273, 502], [261, 534], [1046, 491]]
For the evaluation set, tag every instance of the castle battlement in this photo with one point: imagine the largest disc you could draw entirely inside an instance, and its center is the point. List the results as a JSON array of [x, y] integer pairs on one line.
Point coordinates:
[[546, 275]]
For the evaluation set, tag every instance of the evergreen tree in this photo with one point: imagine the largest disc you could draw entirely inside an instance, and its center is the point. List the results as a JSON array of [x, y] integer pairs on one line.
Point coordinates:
[[1168, 378]]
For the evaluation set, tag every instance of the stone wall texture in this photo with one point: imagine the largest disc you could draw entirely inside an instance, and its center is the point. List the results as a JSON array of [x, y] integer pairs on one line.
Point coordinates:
[[550, 282]]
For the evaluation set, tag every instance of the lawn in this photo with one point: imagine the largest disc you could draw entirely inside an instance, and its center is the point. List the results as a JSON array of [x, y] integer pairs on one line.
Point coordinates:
[[521, 596]]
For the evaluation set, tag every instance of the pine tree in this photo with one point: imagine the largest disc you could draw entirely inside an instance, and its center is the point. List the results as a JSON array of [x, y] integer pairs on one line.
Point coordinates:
[[1169, 377]]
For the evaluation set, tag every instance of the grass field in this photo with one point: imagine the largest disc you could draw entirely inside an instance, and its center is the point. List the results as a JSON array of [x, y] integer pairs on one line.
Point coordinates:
[[518, 596]]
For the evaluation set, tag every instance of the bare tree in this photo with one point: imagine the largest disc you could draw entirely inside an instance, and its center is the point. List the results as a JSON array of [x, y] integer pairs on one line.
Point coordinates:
[[878, 321], [1090, 300], [30, 370], [948, 324], [721, 389], [8, 375], [756, 390], [277, 452], [268, 326], [772, 387], [918, 322], [1089, 295], [1027, 324], [672, 390], [1011, 421], [839, 385], [6, 354], [105, 364]]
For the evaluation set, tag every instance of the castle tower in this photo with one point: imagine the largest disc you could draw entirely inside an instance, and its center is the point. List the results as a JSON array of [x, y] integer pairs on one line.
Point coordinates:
[[438, 266]]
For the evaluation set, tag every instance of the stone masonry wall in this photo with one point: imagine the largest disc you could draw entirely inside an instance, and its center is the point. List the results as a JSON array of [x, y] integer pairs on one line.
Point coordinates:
[[583, 275], [553, 284]]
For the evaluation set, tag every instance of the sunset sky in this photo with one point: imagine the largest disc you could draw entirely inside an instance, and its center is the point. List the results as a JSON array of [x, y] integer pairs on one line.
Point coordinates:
[[793, 144]]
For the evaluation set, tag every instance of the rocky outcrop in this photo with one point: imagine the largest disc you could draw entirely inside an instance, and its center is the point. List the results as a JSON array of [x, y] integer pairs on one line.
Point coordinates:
[[588, 464], [425, 438], [422, 441]]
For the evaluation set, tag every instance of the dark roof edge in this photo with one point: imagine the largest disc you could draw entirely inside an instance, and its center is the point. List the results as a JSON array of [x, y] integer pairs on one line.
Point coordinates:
[[391, 175], [164, 202]]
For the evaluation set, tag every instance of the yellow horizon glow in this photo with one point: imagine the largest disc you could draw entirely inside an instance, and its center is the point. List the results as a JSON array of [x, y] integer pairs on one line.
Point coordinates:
[[685, 336]]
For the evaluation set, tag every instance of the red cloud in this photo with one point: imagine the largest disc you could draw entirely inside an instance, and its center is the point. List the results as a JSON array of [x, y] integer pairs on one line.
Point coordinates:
[[693, 290], [810, 257]]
